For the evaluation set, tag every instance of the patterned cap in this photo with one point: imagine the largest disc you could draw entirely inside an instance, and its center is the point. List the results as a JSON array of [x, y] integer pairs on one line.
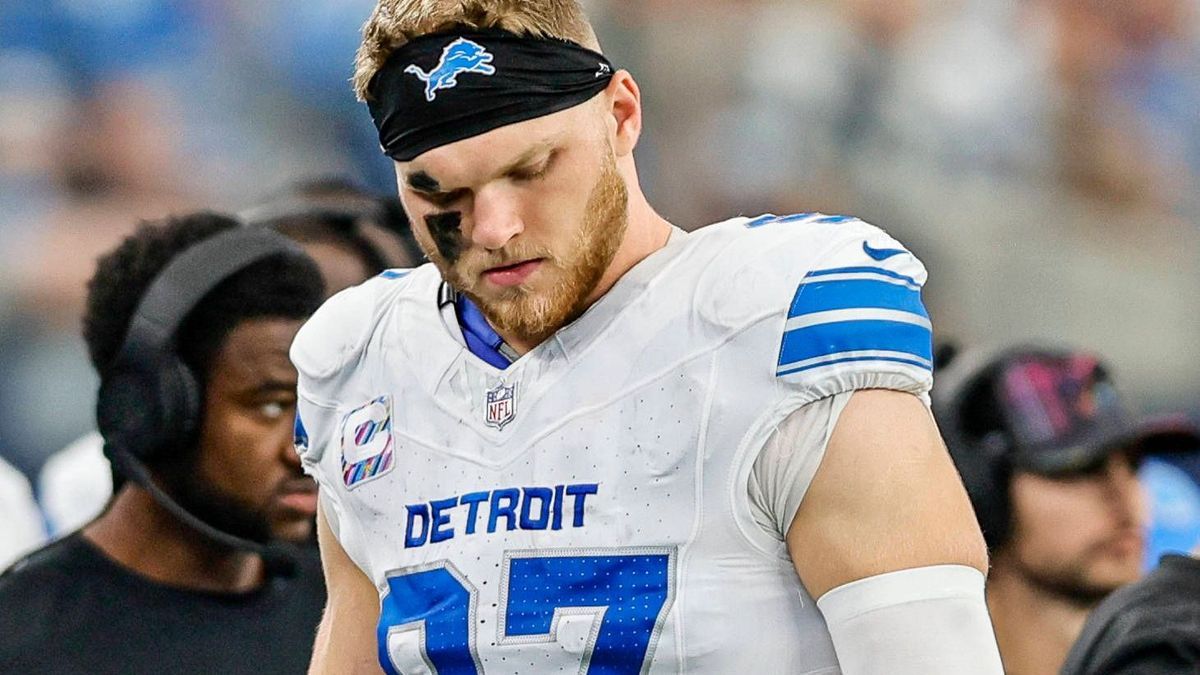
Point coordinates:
[[1063, 415]]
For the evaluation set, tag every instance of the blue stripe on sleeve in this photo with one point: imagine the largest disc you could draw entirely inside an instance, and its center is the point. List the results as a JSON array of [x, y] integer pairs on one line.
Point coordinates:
[[829, 339], [822, 296]]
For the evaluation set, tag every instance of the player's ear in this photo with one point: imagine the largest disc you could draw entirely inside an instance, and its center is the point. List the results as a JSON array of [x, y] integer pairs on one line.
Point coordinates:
[[624, 113]]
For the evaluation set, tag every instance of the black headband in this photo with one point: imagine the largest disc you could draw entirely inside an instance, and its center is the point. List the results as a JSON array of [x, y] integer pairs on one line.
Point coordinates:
[[446, 87]]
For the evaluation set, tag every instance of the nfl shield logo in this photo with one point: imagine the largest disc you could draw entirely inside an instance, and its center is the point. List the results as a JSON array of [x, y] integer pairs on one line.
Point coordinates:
[[501, 405]]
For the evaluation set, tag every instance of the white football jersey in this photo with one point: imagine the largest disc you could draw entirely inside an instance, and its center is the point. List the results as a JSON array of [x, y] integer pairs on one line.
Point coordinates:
[[587, 509]]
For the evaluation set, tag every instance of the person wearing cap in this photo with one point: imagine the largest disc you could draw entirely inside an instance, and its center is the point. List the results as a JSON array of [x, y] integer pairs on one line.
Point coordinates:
[[1152, 626], [1049, 456]]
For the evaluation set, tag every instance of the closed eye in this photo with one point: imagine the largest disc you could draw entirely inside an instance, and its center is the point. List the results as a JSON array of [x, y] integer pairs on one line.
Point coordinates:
[[526, 174]]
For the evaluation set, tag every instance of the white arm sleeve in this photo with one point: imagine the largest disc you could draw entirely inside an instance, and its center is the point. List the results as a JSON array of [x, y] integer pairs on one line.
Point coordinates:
[[923, 621]]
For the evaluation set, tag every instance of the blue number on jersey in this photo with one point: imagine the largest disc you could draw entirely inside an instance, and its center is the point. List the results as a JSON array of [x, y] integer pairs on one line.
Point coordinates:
[[439, 602], [635, 589], [629, 590]]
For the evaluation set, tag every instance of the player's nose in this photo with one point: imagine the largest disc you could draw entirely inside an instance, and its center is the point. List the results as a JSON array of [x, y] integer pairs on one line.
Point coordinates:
[[496, 218]]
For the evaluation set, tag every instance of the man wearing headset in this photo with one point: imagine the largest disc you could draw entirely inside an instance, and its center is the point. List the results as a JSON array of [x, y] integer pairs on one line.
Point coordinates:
[[189, 323], [351, 234], [1049, 457]]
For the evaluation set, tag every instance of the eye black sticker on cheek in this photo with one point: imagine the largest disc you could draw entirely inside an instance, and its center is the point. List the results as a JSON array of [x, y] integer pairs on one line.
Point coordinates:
[[446, 230]]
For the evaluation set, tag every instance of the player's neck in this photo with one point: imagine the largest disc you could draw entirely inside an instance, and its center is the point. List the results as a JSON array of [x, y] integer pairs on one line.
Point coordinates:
[[646, 233], [140, 535], [1034, 628]]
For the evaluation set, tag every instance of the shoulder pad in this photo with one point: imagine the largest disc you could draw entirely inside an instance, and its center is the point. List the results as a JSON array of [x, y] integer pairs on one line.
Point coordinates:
[[846, 296], [761, 261], [338, 332]]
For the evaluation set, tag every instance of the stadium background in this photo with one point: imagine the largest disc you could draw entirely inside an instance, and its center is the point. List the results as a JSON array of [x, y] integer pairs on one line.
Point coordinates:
[[1041, 156]]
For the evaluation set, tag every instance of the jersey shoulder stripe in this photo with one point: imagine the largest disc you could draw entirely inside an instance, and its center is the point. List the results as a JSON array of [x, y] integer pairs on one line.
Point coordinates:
[[854, 314]]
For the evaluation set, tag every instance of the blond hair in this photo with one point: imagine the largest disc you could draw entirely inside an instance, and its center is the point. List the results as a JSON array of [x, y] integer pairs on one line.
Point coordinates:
[[395, 22]]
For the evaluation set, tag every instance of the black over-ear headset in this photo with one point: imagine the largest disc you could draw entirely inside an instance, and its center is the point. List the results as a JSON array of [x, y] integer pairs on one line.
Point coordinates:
[[983, 460], [150, 401]]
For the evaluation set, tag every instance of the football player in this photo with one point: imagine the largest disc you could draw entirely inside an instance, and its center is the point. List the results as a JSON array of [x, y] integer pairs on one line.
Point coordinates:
[[584, 440]]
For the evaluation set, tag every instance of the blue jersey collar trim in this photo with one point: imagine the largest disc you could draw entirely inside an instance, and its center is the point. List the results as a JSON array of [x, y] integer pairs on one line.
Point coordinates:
[[482, 340]]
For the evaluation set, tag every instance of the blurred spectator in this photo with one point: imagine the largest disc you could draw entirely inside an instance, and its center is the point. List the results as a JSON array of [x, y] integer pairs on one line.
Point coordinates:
[[157, 592], [1049, 456], [351, 234], [1007, 262], [374, 226], [23, 530], [812, 93], [1131, 88], [1088, 93]]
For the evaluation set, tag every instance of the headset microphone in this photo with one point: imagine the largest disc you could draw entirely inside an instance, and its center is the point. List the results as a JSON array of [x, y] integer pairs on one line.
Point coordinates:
[[278, 557]]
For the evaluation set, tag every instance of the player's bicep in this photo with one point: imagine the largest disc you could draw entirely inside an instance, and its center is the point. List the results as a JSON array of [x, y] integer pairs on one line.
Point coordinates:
[[886, 497], [345, 641]]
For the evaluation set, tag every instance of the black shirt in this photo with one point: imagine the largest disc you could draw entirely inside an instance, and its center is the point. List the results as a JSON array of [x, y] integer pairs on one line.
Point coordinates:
[[1150, 627], [68, 608]]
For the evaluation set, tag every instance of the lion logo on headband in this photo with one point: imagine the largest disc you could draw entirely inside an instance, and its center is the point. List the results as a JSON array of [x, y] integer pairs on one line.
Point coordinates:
[[460, 56]]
